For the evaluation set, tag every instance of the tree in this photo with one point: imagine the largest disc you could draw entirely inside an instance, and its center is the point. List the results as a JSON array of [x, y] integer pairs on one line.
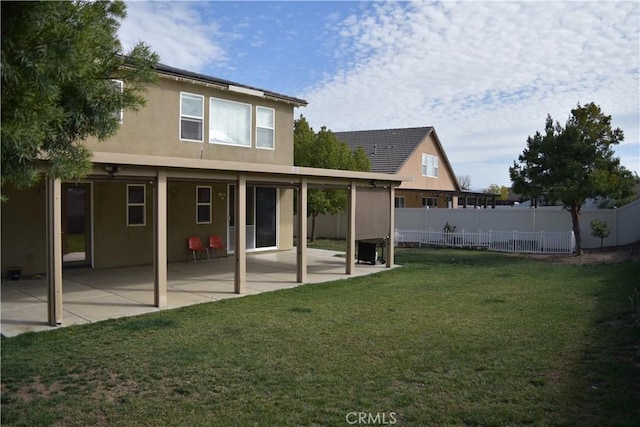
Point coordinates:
[[464, 181], [492, 189], [599, 229], [573, 163], [61, 67], [617, 198], [502, 191], [323, 150]]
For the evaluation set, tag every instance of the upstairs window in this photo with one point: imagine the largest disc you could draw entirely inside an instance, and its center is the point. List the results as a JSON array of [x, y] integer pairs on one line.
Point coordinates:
[[191, 117], [429, 166], [265, 127], [230, 123], [119, 113], [135, 204], [203, 205]]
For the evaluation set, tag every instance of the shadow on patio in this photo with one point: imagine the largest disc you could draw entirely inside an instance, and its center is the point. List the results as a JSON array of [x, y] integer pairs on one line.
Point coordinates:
[[92, 295]]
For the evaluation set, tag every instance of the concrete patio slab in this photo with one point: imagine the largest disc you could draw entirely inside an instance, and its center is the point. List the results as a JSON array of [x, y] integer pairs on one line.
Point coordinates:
[[93, 295]]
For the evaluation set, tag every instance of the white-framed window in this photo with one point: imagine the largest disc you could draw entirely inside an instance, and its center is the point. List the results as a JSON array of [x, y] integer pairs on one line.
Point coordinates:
[[191, 117], [229, 122], [136, 198], [265, 127], [118, 113], [399, 202], [203, 205], [429, 165]]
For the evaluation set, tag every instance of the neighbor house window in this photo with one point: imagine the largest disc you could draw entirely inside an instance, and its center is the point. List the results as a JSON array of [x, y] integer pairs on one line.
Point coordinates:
[[399, 202], [191, 117], [203, 205], [429, 165], [230, 123], [430, 202], [135, 204], [119, 113], [265, 127]]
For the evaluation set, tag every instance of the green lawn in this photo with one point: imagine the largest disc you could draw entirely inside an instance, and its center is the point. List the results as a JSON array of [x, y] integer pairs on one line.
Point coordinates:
[[453, 337], [75, 242]]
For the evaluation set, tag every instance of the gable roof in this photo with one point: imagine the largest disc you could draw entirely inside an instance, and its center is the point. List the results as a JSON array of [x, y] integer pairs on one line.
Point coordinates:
[[387, 149], [169, 71]]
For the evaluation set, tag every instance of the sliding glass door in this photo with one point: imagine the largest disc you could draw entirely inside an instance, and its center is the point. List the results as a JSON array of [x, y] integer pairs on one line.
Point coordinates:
[[266, 217], [261, 223]]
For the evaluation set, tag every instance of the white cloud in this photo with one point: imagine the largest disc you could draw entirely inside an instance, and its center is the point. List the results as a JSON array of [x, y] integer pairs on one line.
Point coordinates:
[[176, 31], [484, 74]]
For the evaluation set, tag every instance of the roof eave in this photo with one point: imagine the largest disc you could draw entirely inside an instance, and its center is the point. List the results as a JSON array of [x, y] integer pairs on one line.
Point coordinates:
[[208, 81]]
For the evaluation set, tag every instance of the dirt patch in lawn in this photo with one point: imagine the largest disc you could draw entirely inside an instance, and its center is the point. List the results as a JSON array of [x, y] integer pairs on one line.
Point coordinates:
[[608, 255]]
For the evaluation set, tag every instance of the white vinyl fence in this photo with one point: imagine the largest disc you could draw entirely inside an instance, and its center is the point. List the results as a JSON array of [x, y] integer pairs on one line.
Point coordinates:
[[539, 242], [624, 222]]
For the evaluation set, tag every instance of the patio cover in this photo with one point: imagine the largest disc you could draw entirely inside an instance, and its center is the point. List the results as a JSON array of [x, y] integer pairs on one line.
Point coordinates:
[[158, 170]]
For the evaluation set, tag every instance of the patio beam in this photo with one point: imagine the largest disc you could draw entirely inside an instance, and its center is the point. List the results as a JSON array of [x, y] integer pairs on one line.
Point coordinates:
[[54, 251], [255, 171], [160, 239], [351, 228], [240, 252], [301, 245]]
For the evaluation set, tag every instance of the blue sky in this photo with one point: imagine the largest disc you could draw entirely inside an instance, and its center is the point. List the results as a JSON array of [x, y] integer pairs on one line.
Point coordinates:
[[484, 74]]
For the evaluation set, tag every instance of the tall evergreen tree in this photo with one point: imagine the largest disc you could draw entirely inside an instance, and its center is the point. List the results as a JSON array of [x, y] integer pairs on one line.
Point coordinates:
[[573, 163], [62, 64]]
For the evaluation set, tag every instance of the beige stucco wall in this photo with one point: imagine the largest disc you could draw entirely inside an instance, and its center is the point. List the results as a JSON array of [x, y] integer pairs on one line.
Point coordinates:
[[154, 130], [413, 167], [115, 243], [24, 230], [181, 217]]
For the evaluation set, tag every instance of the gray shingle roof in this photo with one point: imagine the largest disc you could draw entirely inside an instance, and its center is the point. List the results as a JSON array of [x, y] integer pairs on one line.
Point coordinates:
[[387, 149]]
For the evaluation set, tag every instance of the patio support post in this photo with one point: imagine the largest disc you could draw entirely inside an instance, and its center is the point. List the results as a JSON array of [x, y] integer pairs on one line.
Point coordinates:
[[390, 240], [351, 228], [240, 277], [54, 250], [301, 246], [160, 239]]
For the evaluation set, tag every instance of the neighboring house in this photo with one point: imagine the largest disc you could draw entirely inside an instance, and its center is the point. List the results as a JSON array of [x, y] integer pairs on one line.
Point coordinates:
[[413, 152], [203, 156]]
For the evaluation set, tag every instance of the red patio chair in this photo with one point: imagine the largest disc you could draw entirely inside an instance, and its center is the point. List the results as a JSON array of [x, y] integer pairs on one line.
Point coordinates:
[[215, 243], [195, 245]]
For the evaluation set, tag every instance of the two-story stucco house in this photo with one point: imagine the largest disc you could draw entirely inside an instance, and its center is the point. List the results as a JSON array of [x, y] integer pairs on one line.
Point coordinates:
[[204, 157]]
